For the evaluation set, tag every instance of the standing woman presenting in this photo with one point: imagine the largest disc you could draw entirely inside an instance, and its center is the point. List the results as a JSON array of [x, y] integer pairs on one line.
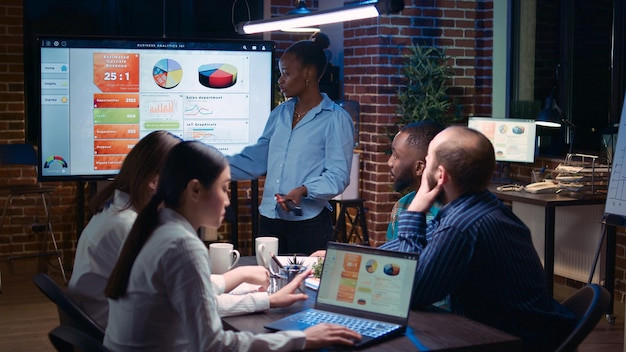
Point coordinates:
[[305, 152]]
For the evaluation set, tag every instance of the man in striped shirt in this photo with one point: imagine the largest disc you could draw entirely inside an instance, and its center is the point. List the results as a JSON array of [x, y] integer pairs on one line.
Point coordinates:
[[475, 249]]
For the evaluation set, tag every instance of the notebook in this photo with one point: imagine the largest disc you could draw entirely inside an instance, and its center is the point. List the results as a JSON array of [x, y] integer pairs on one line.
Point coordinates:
[[365, 288]]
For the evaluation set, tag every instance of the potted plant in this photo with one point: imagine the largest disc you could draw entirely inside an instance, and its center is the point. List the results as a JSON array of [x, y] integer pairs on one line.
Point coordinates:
[[428, 75]]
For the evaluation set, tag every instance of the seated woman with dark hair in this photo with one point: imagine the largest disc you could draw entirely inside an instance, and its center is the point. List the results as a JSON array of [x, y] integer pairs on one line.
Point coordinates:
[[115, 209], [160, 294]]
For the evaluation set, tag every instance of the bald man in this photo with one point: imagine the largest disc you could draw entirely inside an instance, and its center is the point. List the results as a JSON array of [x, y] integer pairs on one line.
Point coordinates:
[[475, 249]]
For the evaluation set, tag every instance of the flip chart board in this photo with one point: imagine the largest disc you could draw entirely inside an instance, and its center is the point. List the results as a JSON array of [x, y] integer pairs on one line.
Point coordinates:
[[615, 209]]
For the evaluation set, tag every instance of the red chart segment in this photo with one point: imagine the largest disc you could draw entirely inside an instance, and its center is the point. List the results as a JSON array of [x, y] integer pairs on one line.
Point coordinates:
[[167, 73], [217, 75]]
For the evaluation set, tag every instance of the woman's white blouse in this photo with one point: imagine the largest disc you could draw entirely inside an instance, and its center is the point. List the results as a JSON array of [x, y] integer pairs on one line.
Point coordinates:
[[170, 304]]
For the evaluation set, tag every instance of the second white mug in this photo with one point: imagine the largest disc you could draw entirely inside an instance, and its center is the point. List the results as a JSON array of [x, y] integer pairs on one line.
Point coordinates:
[[222, 257], [265, 246]]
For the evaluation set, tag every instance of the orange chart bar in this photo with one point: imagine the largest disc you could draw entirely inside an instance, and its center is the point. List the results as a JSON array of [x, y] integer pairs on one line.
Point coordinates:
[[108, 131], [346, 293], [116, 72], [115, 100], [108, 162], [351, 275], [113, 146], [352, 262]]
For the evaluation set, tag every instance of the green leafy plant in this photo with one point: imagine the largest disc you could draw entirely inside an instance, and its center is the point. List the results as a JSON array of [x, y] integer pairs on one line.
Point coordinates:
[[428, 74], [317, 268]]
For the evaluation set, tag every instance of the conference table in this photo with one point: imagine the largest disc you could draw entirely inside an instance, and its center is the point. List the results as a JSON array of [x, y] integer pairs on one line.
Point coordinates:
[[430, 329]]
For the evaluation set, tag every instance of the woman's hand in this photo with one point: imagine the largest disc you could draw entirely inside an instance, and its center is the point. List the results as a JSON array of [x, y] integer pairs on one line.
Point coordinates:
[[286, 296], [294, 195], [252, 274], [324, 335]]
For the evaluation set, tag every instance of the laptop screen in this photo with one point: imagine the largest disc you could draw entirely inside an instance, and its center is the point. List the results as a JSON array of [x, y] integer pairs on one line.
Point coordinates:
[[367, 279]]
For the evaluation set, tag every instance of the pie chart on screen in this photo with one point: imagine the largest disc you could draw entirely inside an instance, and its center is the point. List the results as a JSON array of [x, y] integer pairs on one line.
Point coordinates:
[[217, 75], [167, 73]]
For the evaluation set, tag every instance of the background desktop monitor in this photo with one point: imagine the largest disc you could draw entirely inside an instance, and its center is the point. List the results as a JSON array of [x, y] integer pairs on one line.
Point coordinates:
[[513, 139], [99, 96]]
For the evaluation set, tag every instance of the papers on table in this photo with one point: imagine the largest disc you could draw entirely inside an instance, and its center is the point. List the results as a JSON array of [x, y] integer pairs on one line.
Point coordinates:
[[312, 283]]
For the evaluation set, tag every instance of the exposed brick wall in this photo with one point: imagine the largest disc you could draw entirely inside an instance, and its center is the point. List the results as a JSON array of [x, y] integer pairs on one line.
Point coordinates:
[[373, 58], [16, 237]]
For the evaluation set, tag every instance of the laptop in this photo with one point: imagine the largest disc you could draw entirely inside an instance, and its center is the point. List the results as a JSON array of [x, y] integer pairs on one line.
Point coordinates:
[[365, 288]]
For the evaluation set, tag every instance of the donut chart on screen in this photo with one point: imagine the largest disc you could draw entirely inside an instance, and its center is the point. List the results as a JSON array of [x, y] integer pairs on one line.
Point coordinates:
[[167, 73], [217, 75]]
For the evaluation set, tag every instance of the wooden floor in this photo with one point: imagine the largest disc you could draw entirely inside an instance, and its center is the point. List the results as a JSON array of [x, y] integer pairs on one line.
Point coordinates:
[[26, 316]]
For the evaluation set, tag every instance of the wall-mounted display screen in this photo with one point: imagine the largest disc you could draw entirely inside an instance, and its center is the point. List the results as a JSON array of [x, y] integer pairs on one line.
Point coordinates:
[[513, 140], [100, 96]]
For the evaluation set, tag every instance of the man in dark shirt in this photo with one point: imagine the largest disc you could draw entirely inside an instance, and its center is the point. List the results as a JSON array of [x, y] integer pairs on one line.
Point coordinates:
[[406, 165], [476, 250]]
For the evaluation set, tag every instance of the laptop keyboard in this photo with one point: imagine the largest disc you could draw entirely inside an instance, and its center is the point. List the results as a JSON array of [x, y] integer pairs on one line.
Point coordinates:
[[365, 327]]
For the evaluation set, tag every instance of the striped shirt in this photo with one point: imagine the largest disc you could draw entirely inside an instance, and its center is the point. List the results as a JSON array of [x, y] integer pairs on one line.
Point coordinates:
[[480, 254]]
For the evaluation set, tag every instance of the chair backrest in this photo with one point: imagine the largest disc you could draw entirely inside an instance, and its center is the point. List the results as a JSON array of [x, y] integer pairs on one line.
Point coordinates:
[[68, 339], [589, 304], [70, 314], [18, 154]]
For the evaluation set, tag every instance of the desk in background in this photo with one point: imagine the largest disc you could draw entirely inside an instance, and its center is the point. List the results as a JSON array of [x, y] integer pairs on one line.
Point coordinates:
[[540, 210], [431, 330]]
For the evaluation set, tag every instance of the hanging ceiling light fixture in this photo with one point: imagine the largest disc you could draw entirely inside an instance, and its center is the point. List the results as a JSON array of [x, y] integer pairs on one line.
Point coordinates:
[[301, 9], [350, 12]]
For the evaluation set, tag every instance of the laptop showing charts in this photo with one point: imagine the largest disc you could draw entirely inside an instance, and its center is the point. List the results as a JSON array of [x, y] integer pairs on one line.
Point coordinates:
[[365, 288]]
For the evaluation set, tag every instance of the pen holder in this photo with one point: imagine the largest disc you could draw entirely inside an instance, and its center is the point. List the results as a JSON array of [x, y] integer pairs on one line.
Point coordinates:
[[536, 176], [285, 275]]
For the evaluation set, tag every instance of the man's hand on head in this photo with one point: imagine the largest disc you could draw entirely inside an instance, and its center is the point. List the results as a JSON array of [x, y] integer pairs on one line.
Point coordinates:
[[425, 196]]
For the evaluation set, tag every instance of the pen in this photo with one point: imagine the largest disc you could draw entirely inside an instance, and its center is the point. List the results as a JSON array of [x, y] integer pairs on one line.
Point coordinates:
[[280, 265]]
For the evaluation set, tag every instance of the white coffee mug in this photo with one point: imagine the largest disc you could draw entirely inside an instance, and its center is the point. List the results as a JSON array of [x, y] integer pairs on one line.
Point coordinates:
[[265, 246], [222, 257]]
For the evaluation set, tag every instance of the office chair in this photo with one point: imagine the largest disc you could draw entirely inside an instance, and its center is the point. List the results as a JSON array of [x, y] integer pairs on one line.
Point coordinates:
[[68, 339], [25, 155], [70, 314], [589, 304]]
